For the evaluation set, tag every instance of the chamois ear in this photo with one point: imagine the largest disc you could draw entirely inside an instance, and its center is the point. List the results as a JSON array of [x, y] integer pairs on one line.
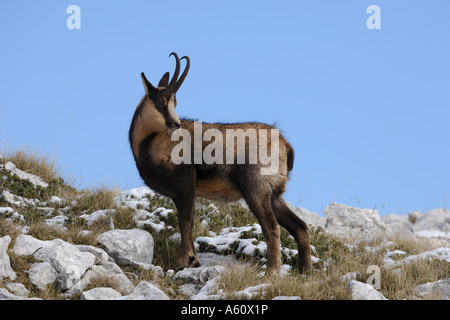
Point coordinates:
[[147, 85], [164, 82]]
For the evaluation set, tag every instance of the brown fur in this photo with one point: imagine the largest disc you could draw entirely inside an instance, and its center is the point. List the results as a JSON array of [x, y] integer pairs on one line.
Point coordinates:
[[150, 139]]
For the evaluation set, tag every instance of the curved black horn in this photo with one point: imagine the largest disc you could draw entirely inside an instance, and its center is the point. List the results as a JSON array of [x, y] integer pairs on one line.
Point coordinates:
[[184, 74], [177, 70]]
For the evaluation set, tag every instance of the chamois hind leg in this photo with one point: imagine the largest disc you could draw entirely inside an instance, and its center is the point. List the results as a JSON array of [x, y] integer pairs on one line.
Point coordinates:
[[297, 228], [185, 206], [258, 200]]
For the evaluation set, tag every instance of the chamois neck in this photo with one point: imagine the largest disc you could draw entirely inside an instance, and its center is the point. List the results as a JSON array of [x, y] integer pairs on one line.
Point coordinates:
[[146, 121]]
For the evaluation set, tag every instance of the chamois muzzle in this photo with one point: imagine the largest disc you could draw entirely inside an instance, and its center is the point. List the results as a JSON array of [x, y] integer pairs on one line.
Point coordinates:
[[172, 126]]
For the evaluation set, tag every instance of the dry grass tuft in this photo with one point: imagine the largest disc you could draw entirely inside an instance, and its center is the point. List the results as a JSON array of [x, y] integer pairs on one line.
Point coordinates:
[[325, 281], [30, 161]]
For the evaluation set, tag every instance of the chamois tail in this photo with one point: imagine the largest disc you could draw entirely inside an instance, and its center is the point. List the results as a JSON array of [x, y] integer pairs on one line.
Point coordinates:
[[290, 157]]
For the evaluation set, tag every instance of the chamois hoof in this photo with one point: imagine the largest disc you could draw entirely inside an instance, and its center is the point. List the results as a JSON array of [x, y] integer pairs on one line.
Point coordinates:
[[192, 263]]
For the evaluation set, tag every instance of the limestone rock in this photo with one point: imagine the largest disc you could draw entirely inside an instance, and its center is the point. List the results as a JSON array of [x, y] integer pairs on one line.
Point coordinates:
[[347, 222], [100, 294], [146, 291], [397, 222], [69, 262], [6, 295], [129, 247], [364, 291], [199, 275], [312, 219], [17, 289], [27, 245], [433, 220], [439, 289], [100, 255], [287, 298], [100, 214], [66, 259], [35, 180], [17, 201], [106, 270], [5, 266], [42, 274]]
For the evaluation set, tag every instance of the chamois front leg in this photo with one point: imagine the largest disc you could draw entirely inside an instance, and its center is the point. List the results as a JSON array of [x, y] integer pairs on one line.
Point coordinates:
[[188, 257]]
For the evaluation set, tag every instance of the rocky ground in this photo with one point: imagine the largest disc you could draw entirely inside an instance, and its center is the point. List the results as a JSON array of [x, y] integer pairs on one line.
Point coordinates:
[[55, 246]]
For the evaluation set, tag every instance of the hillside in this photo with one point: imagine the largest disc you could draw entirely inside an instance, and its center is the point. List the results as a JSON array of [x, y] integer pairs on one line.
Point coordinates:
[[57, 242]]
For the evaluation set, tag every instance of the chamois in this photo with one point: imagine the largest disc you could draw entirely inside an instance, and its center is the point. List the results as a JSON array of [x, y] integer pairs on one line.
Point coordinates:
[[152, 127]]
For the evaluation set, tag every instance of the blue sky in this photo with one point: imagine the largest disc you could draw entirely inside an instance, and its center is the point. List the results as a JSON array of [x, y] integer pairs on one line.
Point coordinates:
[[367, 111]]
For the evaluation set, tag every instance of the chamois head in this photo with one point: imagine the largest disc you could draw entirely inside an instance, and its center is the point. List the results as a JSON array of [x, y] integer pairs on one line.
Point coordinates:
[[162, 99]]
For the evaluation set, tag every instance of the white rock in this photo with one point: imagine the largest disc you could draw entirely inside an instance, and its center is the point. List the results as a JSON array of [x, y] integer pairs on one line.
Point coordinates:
[[252, 292], [440, 288], [433, 234], [5, 266], [84, 233], [17, 201], [42, 274], [439, 254], [11, 215], [210, 291], [230, 236], [312, 219], [287, 298], [100, 294], [364, 291], [69, 262], [6, 295], [145, 291], [27, 245], [199, 275], [25, 229], [346, 222], [397, 222], [107, 270], [433, 220], [17, 289], [129, 247], [135, 194], [57, 221], [94, 216], [135, 198], [190, 289], [210, 259], [176, 237], [100, 255], [162, 212], [388, 257], [45, 211], [6, 211], [346, 278], [144, 218], [57, 200], [35, 180]]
